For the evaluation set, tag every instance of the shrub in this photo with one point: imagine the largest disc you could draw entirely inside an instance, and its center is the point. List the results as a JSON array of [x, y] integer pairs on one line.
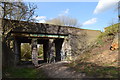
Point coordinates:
[[108, 34], [110, 31]]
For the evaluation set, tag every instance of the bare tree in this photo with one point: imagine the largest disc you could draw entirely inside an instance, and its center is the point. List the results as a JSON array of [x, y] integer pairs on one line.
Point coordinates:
[[64, 20], [17, 11], [11, 11]]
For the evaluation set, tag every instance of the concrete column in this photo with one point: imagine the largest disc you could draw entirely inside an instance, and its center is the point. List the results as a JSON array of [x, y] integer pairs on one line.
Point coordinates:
[[66, 48], [58, 46], [51, 51], [17, 51], [45, 49], [34, 52]]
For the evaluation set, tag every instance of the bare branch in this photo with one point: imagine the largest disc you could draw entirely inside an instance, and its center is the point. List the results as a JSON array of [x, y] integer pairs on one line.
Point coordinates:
[[64, 20]]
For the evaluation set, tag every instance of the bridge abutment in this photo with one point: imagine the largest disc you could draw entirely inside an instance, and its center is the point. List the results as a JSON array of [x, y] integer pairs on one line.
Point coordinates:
[[45, 49], [34, 52], [58, 46], [51, 51], [17, 51]]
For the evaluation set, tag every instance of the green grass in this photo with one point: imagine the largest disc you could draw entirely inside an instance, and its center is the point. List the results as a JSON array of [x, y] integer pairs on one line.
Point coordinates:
[[23, 73]]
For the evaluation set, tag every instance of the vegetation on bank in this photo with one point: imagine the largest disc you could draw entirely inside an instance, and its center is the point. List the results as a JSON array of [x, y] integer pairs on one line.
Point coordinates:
[[110, 31], [108, 34], [95, 61], [94, 69]]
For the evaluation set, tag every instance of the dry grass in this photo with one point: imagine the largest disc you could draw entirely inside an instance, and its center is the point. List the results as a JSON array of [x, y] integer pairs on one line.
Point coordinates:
[[99, 62]]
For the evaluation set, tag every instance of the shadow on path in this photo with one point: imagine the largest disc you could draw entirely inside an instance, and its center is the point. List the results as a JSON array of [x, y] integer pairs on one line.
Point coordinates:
[[60, 70]]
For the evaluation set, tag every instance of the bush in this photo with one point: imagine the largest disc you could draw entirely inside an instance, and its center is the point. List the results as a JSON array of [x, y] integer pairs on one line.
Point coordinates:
[[108, 35], [110, 31]]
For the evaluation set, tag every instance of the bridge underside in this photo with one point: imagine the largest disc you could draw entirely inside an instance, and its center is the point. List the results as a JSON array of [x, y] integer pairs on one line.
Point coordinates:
[[44, 39]]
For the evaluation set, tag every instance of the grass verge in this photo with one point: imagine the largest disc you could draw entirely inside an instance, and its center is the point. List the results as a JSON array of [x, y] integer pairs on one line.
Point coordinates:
[[23, 73]]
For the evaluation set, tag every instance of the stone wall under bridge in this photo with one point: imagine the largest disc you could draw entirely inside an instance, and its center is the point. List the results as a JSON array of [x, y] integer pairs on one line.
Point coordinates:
[[67, 40]]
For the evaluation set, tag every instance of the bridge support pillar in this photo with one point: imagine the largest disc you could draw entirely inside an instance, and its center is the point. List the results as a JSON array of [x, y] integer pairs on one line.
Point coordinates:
[[51, 51], [34, 52], [58, 46], [17, 46], [45, 49]]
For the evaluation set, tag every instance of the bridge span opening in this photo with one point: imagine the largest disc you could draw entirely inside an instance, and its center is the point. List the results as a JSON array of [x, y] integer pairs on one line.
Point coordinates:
[[52, 45]]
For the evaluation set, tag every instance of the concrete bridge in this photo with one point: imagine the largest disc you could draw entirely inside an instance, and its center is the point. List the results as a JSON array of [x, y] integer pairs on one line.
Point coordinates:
[[59, 38]]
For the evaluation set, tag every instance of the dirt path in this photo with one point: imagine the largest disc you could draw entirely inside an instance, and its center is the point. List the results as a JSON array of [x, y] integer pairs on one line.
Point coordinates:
[[60, 70]]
